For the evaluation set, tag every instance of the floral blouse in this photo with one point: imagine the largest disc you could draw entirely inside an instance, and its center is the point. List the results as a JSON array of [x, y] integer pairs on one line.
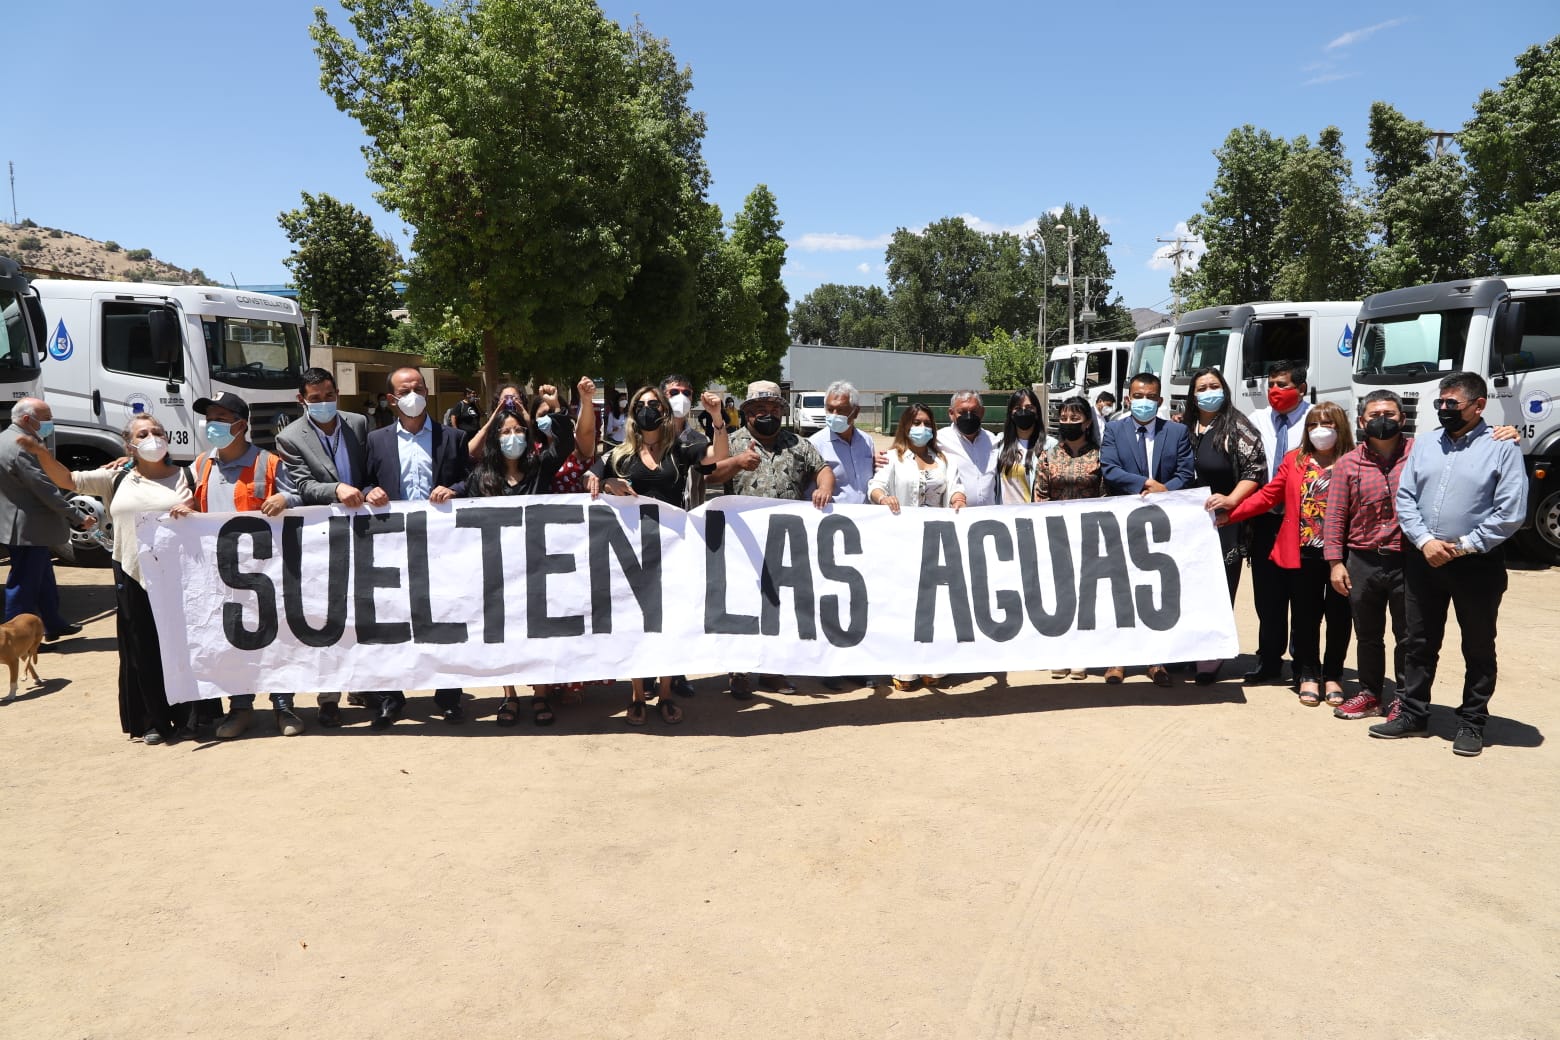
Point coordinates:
[[1061, 475], [1313, 504]]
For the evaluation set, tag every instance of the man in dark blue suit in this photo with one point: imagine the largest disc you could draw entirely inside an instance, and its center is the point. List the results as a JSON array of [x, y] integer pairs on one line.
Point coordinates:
[[414, 459], [1143, 455]]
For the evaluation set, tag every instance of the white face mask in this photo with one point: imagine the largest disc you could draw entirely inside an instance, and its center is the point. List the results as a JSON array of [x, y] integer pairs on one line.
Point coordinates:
[[681, 406], [512, 445], [152, 449], [1323, 438], [412, 404]]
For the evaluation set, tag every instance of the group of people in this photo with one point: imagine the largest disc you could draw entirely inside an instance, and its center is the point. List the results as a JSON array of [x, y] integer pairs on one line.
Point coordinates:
[[1339, 534]]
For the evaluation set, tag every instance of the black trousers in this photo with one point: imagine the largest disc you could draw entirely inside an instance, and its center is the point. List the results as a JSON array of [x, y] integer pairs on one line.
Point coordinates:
[[1270, 592], [1313, 600], [143, 700], [1377, 592], [1472, 586]]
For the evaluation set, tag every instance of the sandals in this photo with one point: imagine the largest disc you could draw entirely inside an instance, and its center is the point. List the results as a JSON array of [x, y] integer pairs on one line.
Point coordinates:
[[671, 714], [636, 713], [541, 714], [508, 712], [1335, 697], [1310, 697]]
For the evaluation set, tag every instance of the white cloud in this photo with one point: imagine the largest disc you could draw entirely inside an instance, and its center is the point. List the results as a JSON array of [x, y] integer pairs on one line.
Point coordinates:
[[834, 242], [1162, 261], [991, 228], [1328, 77], [1354, 36], [864, 268]]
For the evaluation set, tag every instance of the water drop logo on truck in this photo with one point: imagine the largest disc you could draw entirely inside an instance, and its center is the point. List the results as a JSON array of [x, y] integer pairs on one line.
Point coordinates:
[[1346, 342], [61, 347]]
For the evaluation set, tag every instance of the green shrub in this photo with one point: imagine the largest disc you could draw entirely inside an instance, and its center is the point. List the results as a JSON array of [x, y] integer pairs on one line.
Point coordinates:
[[28, 222], [27, 243], [139, 254], [111, 246], [55, 232]]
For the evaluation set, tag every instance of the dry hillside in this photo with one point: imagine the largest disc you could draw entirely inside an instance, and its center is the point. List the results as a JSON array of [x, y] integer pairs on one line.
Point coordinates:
[[52, 251]]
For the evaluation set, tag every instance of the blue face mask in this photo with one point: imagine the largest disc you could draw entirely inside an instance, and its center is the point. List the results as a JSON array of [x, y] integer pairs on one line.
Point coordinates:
[[220, 434], [544, 424], [322, 411], [837, 423], [920, 436], [1210, 400], [1144, 409], [45, 429]]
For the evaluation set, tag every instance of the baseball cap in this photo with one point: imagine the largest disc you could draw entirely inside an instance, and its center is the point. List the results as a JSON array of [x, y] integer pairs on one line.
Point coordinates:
[[226, 399]]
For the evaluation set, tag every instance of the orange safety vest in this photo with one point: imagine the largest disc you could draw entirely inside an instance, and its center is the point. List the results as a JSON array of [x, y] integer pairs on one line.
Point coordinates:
[[245, 498]]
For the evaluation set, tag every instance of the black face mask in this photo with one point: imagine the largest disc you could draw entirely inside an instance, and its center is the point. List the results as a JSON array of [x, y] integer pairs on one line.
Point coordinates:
[[1070, 431], [1383, 428], [765, 425], [968, 423], [1451, 419], [648, 416], [1024, 419]]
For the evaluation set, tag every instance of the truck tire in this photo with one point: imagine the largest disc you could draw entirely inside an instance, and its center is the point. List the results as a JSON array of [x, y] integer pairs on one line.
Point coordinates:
[[1542, 540], [87, 552]]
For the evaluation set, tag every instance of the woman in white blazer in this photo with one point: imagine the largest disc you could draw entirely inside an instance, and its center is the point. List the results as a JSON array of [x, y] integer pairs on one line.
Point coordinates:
[[917, 474]]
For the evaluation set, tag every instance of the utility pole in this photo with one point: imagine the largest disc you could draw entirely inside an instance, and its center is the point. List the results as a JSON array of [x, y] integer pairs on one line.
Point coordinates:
[[12, 164], [1178, 255], [1070, 332], [1441, 137]]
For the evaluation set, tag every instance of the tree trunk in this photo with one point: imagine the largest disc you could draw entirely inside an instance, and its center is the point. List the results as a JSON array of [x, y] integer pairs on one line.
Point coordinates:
[[490, 372]]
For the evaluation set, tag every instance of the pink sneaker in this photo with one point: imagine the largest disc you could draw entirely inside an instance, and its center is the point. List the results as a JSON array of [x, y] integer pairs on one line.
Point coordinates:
[[1360, 706]]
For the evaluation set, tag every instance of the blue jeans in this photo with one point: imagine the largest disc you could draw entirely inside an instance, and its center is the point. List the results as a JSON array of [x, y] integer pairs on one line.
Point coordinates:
[[30, 589]]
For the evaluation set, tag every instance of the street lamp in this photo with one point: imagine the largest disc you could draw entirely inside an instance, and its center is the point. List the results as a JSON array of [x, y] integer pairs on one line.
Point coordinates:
[[1069, 230], [1044, 295]]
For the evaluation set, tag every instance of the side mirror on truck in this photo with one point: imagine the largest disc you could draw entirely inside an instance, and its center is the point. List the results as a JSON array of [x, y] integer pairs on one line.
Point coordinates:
[[1251, 350], [167, 344], [1506, 338]]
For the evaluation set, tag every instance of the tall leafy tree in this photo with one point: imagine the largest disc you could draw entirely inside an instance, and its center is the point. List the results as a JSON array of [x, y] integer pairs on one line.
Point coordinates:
[[530, 146], [1011, 362], [842, 316], [343, 269], [1512, 146], [1418, 205], [1321, 232], [1239, 222], [758, 254], [1398, 146], [935, 278]]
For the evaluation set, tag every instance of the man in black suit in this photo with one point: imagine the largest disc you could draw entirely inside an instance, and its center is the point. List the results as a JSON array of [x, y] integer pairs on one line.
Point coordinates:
[[414, 460], [325, 457]]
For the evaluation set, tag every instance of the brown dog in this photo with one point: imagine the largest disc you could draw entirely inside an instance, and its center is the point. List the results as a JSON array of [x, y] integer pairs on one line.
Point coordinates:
[[19, 640]]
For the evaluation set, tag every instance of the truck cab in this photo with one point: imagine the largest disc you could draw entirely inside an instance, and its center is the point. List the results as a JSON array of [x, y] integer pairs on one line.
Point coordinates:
[[1149, 353], [118, 349], [1505, 329], [1245, 340], [1084, 370], [22, 346]]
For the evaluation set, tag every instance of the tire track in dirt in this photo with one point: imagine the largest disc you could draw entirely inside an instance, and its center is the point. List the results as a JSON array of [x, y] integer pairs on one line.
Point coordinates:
[[1002, 1000]]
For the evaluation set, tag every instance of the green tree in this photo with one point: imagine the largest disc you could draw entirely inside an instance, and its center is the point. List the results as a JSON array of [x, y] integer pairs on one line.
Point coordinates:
[[842, 316], [343, 268], [758, 254], [1427, 234], [529, 146], [1398, 146], [1239, 222], [1512, 146], [1011, 362], [937, 279], [1321, 232]]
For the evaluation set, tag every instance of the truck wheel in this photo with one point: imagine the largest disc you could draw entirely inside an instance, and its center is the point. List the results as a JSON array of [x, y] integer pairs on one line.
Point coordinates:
[[88, 552], [1542, 540]]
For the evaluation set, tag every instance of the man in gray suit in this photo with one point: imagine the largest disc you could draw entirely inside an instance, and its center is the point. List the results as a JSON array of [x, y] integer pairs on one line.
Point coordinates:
[[34, 514], [324, 456]]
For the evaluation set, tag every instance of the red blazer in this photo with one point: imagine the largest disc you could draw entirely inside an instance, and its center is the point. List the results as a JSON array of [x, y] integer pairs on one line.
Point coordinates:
[[1288, 485]]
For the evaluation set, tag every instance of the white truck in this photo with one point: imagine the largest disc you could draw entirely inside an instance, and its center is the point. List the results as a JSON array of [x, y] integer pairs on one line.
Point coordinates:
[[1084, 370], [22, 348], [1505, 329], [116, 349], [1245, 340], [1149, 352]]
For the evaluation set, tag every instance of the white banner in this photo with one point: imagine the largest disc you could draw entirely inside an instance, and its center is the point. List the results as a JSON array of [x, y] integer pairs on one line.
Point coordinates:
[[484, 592]]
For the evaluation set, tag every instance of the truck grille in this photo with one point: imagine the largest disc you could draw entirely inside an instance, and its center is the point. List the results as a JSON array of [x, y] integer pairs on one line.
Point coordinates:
[[1411, 416], [267, 420]]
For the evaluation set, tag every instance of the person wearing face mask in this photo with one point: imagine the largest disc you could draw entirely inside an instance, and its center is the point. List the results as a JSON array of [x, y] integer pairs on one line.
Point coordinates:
[[1227, 452], [1461, 495], [846, 449], [1280, 426], [1302, 484], [1024, 442], [324, 457], [1145, 455], [768, 462], [236, 476], [149, 484], [1070, 469], [34, 515], [569, 478], [975, 452], [416, 460]]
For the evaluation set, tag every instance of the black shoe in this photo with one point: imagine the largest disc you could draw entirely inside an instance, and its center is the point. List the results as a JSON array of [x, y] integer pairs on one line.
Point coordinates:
[[1207, 678], [777, 683], [1402, 726], [453, 715], [682, 687], [330, 715], [390, 706], [68, 630], [1469, 742], [741, 687], [1264, 675]]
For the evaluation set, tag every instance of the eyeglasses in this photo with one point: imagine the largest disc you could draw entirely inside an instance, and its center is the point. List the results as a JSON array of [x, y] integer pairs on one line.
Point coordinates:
[[1449, 402]]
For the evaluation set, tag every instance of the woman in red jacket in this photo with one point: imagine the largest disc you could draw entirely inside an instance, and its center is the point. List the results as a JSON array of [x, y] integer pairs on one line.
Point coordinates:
[[1300, 486]]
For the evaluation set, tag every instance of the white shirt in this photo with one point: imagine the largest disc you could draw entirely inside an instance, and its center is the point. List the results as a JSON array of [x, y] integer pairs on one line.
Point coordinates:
[[336, 448], [1262, 419], [976, 462]]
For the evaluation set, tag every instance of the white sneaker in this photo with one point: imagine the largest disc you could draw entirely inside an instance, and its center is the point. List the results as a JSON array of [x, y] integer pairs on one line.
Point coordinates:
[[289, 722], [234, 723]]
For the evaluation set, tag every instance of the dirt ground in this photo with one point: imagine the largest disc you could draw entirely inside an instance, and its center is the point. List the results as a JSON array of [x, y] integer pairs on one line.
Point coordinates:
[[1036, 858]]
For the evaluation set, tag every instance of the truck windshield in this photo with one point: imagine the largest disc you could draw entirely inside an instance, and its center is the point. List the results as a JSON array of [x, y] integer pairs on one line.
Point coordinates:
[[1203, 349], [1059, 375], [1411, 344], [254, 352], [18, 360], [1149, 353]]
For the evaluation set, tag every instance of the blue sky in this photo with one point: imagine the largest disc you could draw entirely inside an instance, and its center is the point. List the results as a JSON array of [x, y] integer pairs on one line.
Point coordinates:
[[185, 127]]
